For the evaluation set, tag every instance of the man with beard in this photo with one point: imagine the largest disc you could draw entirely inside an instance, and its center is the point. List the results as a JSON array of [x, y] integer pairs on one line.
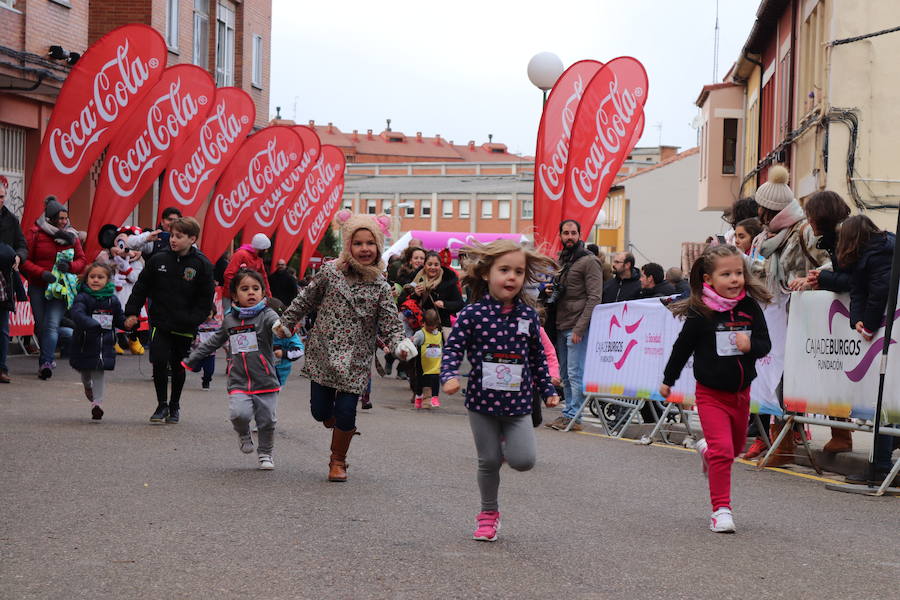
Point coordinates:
[[626, 281], [283, 284], [576, 290]]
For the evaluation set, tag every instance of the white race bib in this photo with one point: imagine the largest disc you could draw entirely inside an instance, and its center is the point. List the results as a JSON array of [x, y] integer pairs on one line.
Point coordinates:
[[433, 352], [726, 344], [243, 339], [105, 320], [524, 327], [501, 371]]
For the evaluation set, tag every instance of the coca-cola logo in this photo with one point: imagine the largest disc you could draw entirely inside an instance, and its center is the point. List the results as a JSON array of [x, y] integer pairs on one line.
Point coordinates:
[[551, 170], [320, 221], [262, 170], [114, 87], [269, 209], [322, 175], [616, 110], [168, 115], [219, 134]]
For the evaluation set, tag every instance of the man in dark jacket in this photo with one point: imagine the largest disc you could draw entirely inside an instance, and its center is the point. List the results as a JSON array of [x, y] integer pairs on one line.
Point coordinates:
[[575, 291], [179, 284], [653, 282], [675, 276], [626, 281], [154, 242], [283, 285], [11, 235]]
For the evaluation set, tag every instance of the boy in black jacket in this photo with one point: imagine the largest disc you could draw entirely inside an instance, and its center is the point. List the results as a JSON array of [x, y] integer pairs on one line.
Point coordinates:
[[179, 285]]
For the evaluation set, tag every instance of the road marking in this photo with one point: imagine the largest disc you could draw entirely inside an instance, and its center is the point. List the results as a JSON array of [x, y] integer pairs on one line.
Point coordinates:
[[739, 460]]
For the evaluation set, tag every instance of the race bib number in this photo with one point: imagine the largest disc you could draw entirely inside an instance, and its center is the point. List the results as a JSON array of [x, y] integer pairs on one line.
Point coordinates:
[[502, 372], [243, 339], [433, 352], [104, 318], [524, 327], [726, 344]]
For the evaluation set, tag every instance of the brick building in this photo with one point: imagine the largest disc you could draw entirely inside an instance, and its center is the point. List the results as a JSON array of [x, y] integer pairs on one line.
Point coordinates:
[[228, 38]]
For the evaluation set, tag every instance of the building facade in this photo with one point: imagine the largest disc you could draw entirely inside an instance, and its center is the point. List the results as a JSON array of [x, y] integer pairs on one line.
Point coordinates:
[[228, 38]]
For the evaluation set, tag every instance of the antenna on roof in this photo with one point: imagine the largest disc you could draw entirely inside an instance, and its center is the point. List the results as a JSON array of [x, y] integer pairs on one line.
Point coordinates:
[[388, 124], [490, 138], [277, 112], [716, 47]]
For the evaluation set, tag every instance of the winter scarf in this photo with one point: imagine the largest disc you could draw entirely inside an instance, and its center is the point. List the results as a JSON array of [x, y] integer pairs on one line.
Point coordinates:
[[568, 256], [105, 292], [782, 226], [63, 237], [248, 312], [66, 285], [714, 301], [430, 284]]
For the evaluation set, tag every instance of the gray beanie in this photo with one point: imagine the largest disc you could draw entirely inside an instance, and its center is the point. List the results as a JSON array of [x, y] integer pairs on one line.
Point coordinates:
[[775, 194], [52, 208]]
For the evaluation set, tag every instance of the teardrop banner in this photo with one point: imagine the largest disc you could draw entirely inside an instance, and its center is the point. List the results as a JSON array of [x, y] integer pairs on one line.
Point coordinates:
[[603, 133], [298, 213], [263, 160], [175, 108], [328, 205], [194, 168], [103, 89], [552, 153], [268, 213]]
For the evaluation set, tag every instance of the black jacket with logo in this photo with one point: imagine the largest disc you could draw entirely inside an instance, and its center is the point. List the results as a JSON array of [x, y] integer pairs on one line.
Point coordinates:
[[620, 290], [180, 290], [698, 337]]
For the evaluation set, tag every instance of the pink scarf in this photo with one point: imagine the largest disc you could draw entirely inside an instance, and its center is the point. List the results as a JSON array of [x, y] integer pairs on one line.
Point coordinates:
[[714, 301]]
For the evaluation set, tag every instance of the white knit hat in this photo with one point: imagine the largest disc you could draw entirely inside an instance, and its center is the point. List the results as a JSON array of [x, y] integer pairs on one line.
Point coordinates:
[[775, 194], [260, 242]]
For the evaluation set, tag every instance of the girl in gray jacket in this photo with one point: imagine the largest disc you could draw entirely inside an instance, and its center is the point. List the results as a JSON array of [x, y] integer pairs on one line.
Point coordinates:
[[252, 380]]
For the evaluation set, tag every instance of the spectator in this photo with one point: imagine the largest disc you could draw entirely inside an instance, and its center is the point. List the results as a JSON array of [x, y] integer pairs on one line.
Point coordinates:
[[413, 259], [675, 276], [15, 251], [220, 266], [743, 208], [153, 242], [50, 235], [626, 281], [437, 287], [576, 289], [249, 256], [284, 285], [653, 282], [745, 232]]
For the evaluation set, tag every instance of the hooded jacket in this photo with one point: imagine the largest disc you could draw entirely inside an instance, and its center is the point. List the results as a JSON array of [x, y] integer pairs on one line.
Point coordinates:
[[620, 290], [869, 281], [253, 370], [42, 249], [92, 344], [248, 258]]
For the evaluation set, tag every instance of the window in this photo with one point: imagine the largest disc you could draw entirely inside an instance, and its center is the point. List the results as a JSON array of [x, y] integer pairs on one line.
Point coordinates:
[[729, 146], [172, 24], [528, 208], [425, 208], [371, 207], [463, 209], [487, 209], [201, 33], [447, 209], [257, 61], [225, 45], [347, 204], [410, 209], [502, 209]]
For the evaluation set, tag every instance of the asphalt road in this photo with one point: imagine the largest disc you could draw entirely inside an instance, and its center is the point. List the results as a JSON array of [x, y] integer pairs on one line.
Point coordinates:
[[123, 509]]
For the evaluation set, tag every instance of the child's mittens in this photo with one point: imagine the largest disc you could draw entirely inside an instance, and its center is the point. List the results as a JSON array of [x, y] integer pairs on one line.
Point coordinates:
[[280, 330], [293, 354], [406, 350]]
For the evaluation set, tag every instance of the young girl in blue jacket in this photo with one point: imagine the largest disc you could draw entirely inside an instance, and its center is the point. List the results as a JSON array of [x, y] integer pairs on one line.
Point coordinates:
[[96, 313], [500, 334]]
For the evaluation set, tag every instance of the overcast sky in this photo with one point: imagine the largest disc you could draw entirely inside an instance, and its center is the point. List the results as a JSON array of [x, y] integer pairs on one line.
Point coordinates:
[[459, 69]]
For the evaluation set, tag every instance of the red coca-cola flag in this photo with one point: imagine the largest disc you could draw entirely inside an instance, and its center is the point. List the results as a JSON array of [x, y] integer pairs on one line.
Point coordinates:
[[103, 89], [610, 113], [268, 213], [552, 153], [175, 107], [329, 204], [298, 214], [264, 159], [194, 168]]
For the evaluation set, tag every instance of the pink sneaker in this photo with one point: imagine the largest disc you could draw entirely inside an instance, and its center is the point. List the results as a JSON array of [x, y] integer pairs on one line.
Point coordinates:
[[701, 449], [418, 402], [435, 402], [488, 526]]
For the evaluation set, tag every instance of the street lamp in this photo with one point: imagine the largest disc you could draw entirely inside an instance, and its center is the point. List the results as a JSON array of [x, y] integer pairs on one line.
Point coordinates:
[[544, 69], [395, 218]]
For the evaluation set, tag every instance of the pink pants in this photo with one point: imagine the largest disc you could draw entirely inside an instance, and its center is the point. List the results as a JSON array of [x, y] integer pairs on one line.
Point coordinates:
[[724, 417]]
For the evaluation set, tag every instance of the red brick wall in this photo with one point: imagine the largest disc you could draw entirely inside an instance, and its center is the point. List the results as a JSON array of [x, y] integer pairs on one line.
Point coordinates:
[[254, 17], [106, 15], [48, 23]]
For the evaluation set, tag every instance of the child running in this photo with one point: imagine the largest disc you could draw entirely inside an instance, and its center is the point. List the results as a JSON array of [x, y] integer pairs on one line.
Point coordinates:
[[429, 342], [205, 332], [500, 334], [287, 350], [355, 305], [252, 382], [726, 331], [96, 313]]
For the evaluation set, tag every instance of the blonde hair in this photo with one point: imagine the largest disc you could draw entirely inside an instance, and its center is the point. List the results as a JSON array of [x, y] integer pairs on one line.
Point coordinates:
[[481, 258]]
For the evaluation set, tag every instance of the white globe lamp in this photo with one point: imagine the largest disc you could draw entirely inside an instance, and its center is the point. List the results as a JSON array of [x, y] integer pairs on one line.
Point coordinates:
[[544, 69]]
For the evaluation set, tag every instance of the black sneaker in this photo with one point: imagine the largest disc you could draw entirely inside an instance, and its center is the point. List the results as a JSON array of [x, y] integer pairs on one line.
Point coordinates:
[[96, 412], [162, 411], [174, 414], [205, 385], [46, 371]]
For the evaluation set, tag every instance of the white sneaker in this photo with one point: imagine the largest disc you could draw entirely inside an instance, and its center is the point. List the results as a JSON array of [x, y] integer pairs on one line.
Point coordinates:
[[722, 521], [266, 463], [701, 449], [246, 444]]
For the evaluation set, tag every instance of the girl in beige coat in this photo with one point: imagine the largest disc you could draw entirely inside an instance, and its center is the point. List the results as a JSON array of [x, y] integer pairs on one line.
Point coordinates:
[[354, 305]]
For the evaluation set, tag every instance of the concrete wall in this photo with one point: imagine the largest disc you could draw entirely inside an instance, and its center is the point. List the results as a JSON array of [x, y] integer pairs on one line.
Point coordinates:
[[718, 190]]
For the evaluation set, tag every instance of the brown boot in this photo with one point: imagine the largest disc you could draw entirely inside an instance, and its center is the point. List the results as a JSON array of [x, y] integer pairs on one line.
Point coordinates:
[[784, 454], [840, 441], [340, 442], [329, 423]]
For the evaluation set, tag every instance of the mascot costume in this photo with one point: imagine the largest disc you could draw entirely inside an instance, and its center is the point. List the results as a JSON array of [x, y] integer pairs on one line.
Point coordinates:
[[127, 264]]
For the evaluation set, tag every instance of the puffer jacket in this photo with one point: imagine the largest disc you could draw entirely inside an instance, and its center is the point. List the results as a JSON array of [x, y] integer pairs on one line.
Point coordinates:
[[869, 282], [447, 290], [351, 314], [42, 251], [248, 258], [92, 344], [621, 290], [253, 370]]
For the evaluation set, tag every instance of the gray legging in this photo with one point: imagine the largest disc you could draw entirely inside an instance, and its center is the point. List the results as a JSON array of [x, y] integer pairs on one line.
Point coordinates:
[[490, 433], [94, 385]]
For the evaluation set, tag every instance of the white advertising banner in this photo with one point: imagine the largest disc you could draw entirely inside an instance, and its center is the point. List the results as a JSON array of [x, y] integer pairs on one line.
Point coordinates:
[[829, 368], [629, 344]]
